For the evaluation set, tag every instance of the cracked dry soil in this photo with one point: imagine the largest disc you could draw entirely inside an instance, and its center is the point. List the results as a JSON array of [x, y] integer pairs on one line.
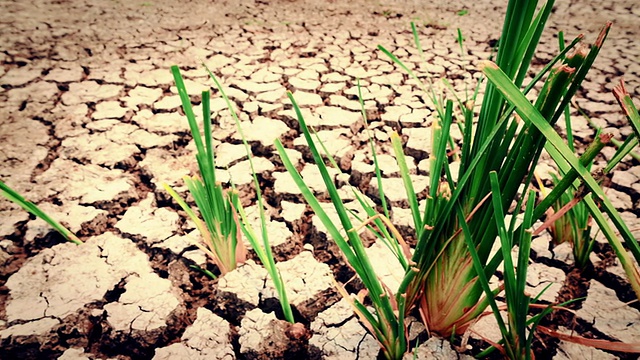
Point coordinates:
[[91, 126]]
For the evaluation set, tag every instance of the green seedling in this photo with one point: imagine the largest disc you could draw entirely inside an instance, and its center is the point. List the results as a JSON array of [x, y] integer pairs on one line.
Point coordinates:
[[259, 243], [569, 221], [220, 228], [445, 284]]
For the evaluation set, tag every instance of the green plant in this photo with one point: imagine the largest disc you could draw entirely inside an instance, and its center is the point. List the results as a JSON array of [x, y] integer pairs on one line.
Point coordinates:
[[225, 213], [27, 205], [221, 230], [458, 220], [445, 285], [569, 221], [384, 321]]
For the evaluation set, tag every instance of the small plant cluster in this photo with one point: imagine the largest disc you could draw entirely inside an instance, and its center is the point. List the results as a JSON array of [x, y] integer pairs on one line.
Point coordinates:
[[447, 273], [224, 217]]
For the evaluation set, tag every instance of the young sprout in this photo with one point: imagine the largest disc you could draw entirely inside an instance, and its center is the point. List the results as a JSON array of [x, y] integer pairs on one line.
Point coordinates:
[[569, 219], [219, 227], [259, 243], [386, 321], [572, 224]]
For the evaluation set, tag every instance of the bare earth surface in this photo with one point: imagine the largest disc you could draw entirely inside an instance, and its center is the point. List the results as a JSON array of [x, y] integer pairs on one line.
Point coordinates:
[[90, 127]]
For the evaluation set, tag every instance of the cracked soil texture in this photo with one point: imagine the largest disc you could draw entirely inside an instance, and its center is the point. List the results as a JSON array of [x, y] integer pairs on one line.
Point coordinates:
[[91, 126]]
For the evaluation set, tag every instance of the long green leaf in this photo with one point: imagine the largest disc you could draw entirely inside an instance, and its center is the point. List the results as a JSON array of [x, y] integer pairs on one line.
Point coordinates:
[[13, 196]]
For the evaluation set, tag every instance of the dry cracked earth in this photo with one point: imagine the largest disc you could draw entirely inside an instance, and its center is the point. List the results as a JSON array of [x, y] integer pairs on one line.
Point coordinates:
[[91, 126]]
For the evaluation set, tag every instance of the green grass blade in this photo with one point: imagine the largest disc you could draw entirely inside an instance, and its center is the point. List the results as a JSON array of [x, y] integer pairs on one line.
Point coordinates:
[[406, 179], [482, 278], [192, 215], [524, 243], [186, 106], [460, 40], [624, 99], [383, 199], [505, 242], [209, 168], [27, 205], [530, 41], [206, 272], [314, 203], [439, 138], [266, 257], [567, 112], [416, 40]]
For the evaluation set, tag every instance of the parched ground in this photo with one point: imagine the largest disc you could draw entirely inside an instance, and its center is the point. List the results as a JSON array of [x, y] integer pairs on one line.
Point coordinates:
[[91, 126]]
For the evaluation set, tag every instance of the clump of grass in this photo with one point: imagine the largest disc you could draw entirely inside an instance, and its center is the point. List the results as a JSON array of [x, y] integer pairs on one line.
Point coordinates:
[[220, 229], [445, 284], [571, 223], [32, 208], [222, 211]]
